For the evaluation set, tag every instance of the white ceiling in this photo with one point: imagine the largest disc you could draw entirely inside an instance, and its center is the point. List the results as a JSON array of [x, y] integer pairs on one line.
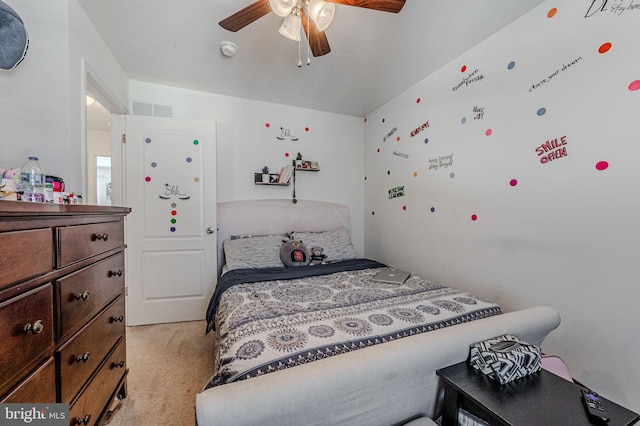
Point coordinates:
[[374, 55]]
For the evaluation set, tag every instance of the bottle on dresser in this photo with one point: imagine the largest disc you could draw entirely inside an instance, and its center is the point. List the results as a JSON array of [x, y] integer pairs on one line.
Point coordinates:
[[32, 181]]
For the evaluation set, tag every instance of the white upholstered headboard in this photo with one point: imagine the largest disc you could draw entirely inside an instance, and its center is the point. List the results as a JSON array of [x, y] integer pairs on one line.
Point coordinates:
[[264, 217]]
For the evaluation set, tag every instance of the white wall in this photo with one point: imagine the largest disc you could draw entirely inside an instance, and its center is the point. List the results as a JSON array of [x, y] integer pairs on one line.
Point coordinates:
[[41, 101], [247, 139], [34, 98], [560, 233]]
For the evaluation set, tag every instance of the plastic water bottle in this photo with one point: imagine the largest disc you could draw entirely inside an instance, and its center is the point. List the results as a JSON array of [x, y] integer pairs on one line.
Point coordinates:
[[32, 181]]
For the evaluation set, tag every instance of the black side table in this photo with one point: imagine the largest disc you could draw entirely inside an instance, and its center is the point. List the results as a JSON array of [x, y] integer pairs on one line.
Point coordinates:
[[541, 398]]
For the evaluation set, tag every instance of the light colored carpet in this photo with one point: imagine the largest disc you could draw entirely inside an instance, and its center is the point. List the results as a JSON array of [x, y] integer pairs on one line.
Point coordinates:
[[168, 365]]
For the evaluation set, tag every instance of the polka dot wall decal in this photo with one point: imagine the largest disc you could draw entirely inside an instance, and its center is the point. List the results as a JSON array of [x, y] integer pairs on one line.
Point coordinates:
[[286, 154], [378, 150], [513, 182], [189, 159], [541, 112], [552, 12], [474, 217], [602, 165], [383, 120], [488, 132], [173, 205], [148, 179], [267, 125], [306, 129], [415, 174], [196, 179], [404, 208], [634, 85], [452, 175], [388, 172], [173, 229], [464, 120], [398, 139], [463, 69], [426, 140], [147, 140], [365, 119], [418, 100], [154, 164], [173, 221], [511, 65], [173, 212], [604, 47], [196, 141], [433, 209]]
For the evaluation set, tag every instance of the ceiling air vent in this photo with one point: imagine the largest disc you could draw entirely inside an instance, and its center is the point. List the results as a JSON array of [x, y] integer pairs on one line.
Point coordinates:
[[152, 110]]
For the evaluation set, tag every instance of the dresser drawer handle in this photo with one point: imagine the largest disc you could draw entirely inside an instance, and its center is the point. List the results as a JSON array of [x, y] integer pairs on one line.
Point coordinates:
[[83, 358], [117, 364], [100, 237], [119, 318], [117, 273], [82, 296], [35, 328], [84, 420]]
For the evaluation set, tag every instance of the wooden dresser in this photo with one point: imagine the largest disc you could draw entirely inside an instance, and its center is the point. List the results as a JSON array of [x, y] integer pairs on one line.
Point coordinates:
[[62, 323]]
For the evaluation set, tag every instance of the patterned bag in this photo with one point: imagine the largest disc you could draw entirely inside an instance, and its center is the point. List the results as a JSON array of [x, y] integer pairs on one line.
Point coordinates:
[[505, 358]]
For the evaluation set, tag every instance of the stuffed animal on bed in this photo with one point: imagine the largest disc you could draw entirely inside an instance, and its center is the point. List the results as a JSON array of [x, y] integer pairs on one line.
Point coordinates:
[[294, 253], [14, 40], [316, 255]]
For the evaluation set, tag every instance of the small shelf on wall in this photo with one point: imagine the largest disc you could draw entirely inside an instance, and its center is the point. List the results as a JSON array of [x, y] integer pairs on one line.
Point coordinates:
[[306, 166], [273, 184], [272, 179]]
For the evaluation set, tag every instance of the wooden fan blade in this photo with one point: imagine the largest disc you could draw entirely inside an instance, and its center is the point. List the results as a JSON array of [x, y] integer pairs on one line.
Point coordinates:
[[317, 39], [244, 17], [393, 6]]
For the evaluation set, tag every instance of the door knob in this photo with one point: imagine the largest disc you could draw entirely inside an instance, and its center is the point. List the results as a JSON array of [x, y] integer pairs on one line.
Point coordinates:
[[210, 230]]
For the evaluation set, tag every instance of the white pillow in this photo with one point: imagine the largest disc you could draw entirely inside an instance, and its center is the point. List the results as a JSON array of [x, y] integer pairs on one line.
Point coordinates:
[[336, 243]]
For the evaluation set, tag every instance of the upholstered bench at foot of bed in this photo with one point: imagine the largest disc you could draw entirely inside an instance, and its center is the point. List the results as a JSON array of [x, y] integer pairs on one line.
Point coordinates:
[[421, 421]]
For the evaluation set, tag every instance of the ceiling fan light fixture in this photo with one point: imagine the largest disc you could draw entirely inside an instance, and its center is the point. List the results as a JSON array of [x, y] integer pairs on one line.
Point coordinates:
[[321, 13], [290, 27], [282, 7]]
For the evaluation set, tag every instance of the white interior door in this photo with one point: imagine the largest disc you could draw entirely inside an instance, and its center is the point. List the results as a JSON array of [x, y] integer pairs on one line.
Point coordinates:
[[171, 240]]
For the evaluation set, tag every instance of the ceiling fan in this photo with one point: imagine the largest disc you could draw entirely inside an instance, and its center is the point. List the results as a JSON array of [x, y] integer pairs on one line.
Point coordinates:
[[296, 14]]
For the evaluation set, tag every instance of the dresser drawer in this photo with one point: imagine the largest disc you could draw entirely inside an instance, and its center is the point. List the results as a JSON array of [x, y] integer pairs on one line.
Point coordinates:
[[26, 254], [83, 353], [94, 399], [39, 387], [84, 293], [26, 334], [78, 242]]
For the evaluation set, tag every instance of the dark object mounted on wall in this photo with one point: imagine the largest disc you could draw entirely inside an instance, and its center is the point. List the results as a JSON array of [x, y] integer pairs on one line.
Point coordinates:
[[14, 40]]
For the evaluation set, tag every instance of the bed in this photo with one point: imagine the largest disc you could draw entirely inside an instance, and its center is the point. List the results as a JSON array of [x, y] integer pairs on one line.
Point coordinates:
[[323, 344]]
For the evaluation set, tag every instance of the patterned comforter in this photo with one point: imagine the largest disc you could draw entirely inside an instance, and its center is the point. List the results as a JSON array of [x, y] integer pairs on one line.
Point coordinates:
[[275, 318]]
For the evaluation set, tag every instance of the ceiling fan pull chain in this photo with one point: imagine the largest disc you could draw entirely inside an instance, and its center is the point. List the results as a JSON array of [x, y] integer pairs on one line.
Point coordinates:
[[299, 60]]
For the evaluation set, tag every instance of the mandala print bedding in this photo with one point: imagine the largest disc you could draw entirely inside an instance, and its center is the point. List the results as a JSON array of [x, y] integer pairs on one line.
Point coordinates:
[[270, 325]]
